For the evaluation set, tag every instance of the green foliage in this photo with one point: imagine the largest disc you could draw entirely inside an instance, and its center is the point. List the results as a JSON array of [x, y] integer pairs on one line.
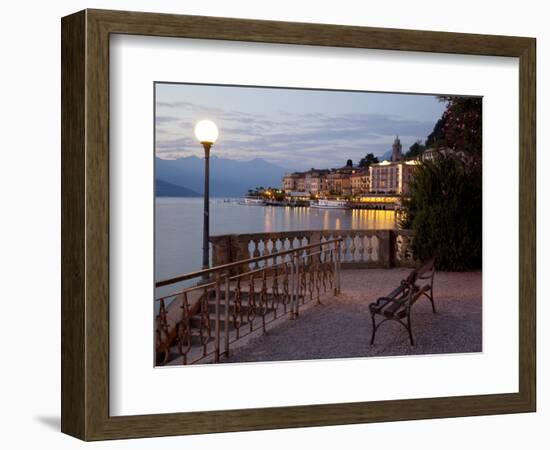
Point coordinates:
[[462, 124], [415, 150], [437, 136], [269, 193], [368, 160], [445, 212]]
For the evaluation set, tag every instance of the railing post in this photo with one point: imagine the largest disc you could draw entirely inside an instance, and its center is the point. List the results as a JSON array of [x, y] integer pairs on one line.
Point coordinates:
[[335, 251], [263, 298], [316, 273], [292, 285], [386, 245], [239, 251], [338, 267], [226, 328], [217, 333], [185, 326], [221, 249], [298, 283]]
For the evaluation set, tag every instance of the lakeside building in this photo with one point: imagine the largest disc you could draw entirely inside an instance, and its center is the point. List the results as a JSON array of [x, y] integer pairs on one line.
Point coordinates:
[[313, 181], [392, 177], [339, 183], [377, 201], [290, 181], [360, 181], [294, 182], [316, 182], [297, 196]]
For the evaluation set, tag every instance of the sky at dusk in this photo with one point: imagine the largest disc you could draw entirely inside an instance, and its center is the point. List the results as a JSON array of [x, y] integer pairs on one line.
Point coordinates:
[[294, 128]]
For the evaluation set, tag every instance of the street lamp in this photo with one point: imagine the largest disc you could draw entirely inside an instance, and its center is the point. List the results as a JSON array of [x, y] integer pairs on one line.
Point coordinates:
[[206, 132]]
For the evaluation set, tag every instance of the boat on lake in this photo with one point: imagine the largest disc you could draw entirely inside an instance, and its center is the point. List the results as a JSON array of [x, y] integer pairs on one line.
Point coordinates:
[[252, 201], [330, 204]]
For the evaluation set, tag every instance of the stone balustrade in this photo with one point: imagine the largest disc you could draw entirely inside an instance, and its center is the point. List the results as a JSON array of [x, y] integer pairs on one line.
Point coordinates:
[[359, 249]]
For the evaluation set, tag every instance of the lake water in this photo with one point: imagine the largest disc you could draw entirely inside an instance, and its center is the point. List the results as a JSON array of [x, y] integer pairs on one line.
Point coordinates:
[[178, 227]]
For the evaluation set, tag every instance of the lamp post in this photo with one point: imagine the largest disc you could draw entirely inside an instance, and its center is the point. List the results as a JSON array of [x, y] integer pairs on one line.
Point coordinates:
[[206, 132]]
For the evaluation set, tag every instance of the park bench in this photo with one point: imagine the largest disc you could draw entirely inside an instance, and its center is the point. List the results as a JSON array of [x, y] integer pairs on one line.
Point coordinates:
[[398, 303]]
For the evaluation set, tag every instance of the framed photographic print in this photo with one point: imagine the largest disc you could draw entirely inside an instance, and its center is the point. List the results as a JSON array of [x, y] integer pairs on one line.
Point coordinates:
[[270, 224]]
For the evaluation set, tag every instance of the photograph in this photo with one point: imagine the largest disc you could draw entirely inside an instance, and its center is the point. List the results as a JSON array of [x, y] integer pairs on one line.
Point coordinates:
[[308, 224]]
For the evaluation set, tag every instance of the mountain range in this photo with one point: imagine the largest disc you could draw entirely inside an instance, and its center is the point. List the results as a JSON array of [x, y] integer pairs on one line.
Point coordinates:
[[165, 189], [386, 156], [184, 177]]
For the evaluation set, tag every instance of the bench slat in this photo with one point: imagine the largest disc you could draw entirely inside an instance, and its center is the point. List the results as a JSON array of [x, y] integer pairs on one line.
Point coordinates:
[[395, 306]]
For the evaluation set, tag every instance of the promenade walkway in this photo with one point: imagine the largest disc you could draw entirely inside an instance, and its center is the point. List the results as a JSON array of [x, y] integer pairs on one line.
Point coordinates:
[[341, 326]]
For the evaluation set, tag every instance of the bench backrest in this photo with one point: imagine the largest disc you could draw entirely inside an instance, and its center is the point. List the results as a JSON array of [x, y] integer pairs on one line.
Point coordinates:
[[424, 272]]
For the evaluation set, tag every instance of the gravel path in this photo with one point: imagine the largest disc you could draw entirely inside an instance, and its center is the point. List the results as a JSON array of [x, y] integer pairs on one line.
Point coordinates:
[[341, 326]]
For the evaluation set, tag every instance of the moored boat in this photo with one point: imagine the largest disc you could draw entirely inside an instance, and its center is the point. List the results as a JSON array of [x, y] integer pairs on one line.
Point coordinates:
[[330, 204], [252, 201]]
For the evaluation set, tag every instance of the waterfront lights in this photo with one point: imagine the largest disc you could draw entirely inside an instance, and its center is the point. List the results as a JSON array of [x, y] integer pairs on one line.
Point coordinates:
[[206, 132]]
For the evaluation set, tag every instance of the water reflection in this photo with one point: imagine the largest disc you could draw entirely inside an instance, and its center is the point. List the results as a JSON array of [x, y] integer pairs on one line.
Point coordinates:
[[369, 219], [178, 227]]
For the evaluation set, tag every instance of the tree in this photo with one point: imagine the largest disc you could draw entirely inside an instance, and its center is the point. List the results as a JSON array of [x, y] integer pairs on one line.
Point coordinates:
[[462, 124], [445, 211], [415, 150], [436, 137], [445, 204], [368, 160], [349, 163]]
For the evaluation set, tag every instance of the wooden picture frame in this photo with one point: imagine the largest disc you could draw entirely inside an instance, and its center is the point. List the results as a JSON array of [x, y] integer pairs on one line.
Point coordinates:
[[85, 224]]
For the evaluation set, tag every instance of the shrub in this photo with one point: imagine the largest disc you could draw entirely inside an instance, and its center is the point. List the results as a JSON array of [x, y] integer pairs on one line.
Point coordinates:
[[445, 212]]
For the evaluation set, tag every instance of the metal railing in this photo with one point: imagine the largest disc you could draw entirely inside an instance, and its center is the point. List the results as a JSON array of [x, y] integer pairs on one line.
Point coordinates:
[[203, 322]]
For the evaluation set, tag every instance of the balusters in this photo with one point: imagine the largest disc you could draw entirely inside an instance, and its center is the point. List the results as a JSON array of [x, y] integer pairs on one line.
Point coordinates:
[[344, 249], [367, 249], [352, 247], [271, 247], [256, 252], [279, 247], [285, 244], [375, 248]]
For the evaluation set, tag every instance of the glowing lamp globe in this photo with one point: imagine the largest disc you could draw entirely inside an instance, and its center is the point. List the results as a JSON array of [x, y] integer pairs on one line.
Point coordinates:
[[206, 132]]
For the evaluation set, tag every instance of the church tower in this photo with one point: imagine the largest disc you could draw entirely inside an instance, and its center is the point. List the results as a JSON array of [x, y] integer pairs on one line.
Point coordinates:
[[396, 150]]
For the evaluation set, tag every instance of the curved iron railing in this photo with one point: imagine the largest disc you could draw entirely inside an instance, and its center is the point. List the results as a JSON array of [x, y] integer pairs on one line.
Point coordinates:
[[229, 302]]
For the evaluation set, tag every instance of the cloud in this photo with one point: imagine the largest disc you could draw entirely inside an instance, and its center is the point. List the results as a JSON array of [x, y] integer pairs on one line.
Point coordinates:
[[166, 119], [292, 140]]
